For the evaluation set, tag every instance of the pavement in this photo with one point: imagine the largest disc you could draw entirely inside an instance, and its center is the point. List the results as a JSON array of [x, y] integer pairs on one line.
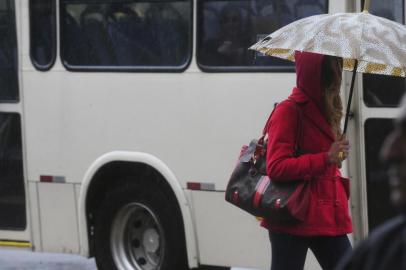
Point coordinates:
[[27, 260], [11, 259]]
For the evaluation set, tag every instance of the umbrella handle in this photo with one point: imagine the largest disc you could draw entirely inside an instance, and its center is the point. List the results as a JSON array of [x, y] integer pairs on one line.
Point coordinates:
[[347, 114]]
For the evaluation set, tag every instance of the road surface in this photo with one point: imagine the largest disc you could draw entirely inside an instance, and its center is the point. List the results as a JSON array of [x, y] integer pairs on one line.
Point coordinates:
[[11, 259]]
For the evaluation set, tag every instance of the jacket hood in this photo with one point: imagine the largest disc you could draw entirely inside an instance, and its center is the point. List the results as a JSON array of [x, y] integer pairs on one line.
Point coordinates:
[[308, 75]]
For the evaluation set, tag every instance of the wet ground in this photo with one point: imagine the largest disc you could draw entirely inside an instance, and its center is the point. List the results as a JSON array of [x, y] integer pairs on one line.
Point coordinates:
[[27, 260]]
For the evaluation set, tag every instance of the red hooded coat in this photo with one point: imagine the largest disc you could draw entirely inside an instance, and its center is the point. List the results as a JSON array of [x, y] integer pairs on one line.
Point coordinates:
[[328, 212]]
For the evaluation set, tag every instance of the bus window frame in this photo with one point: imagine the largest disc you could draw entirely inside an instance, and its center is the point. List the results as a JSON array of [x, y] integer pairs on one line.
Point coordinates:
[[364, 100], [403, 10], [16, 67], [374, 217], [16, 118], [231, 69], [54, 40], [129, 69]]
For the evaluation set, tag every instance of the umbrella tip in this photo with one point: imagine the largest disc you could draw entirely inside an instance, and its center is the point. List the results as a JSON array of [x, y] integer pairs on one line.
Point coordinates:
[[366, 6]]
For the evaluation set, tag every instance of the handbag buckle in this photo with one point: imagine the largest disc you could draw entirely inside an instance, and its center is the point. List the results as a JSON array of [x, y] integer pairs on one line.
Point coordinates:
[[277, 204], [254, 159]]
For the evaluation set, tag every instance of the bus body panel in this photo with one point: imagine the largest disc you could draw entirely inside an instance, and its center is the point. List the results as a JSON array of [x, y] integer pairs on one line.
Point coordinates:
[[230, 236], [225, 227], [78, 108], [58, 215]]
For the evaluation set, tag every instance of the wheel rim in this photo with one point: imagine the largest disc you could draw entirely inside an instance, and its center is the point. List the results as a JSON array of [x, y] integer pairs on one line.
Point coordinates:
[[137, 239]]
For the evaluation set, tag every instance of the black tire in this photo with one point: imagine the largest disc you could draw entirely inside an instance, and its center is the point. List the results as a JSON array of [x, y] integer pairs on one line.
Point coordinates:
[[147, 227]]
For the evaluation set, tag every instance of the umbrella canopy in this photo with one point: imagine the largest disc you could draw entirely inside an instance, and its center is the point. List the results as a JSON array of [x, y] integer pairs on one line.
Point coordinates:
[[377, 43], [367, 43]]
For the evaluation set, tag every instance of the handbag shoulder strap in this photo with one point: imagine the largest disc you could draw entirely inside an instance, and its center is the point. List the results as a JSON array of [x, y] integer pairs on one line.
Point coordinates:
[[268, 122], [265, 130], [299, 134], [299, 129]]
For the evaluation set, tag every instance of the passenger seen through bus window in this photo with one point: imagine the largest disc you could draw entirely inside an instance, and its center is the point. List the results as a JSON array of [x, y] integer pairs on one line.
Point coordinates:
[[229, 47], [227, 28], [127, 34]]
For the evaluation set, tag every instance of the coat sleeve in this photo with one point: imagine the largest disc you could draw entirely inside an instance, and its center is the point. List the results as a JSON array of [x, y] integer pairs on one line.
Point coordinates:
[[281, 161]]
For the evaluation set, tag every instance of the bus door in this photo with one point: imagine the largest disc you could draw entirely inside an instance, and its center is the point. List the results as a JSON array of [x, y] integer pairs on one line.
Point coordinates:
[[378, 100], [13, 214]]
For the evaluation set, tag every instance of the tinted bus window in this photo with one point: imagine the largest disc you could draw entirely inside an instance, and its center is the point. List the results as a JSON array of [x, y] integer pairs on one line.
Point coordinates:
[[227, 28], [127, 34], [8, 53], [379, 205], [12, 194], [42, 33], [380, 90]]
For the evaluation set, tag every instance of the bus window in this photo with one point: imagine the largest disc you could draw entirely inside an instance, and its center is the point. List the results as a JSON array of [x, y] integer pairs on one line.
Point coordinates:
[[128, 35], [380, 208], [8, 53], [227, 28], [381, 90], [12, 196], [42, 33]]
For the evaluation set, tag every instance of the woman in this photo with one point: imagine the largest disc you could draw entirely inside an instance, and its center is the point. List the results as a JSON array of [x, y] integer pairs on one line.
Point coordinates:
[[318, 104]]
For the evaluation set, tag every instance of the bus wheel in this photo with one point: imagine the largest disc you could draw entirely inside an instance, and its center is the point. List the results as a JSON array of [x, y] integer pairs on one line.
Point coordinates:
[[139, 228]]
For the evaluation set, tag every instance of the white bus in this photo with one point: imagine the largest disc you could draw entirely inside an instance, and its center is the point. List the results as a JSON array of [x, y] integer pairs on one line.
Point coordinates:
[[121, 121]]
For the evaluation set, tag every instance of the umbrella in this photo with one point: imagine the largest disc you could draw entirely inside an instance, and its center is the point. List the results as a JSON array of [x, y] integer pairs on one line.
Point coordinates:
[[367, 43]]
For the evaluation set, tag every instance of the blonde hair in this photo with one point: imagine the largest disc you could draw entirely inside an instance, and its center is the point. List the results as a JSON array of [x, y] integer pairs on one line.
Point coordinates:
[[332, 103], [333, 109]]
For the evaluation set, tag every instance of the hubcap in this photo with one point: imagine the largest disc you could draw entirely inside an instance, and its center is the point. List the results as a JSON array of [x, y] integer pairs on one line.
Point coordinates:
[[137, 239]]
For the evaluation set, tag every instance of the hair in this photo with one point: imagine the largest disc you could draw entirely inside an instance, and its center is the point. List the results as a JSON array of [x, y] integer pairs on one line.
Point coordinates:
[[332, 104]]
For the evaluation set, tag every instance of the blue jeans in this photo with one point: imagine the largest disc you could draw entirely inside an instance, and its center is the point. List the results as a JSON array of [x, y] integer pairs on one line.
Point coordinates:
[[289, 251]]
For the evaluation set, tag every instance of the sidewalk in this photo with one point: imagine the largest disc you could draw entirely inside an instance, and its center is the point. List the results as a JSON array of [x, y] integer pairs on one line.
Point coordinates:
[[11, 259]]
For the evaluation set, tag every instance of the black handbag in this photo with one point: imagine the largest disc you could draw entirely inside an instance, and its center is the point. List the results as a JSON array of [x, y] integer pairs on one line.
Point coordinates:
[[250, 189]]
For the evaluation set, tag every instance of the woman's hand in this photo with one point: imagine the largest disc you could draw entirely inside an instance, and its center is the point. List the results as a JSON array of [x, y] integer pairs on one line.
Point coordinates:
[[338, 151]]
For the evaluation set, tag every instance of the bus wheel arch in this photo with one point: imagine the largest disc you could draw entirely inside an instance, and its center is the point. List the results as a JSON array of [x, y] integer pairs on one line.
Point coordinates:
[[116, 170]]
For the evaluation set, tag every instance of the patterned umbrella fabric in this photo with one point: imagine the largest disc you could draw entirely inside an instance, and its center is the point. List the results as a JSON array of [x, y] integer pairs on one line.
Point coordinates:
[[378, 44]]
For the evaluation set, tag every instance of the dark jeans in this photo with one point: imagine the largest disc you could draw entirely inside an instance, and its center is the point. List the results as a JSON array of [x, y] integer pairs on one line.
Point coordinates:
[[289, 251]]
